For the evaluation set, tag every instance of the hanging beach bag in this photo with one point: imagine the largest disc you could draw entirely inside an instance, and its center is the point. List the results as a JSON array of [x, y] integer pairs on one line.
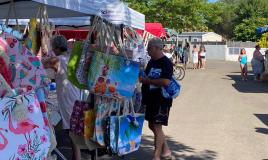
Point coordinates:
[[78, 60], [126, 131], [22, 128], [73, 64], [77, 117], [89, 123], [112, 75], [103, 108], [26, 69]]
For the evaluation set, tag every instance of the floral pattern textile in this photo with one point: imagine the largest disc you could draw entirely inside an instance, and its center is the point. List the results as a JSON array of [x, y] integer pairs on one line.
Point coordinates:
[[23, 133], [26, 69], [77, 117]]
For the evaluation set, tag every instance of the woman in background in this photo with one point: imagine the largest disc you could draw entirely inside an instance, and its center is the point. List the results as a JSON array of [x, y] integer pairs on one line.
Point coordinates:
[[202, 54], [243, 64], [67, 93], [257, 63], [195, 57]]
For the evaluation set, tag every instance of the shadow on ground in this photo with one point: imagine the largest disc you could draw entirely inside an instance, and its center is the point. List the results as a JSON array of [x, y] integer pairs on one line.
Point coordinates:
[[145, 152], [264, 119], [180, 151], [249, 86]]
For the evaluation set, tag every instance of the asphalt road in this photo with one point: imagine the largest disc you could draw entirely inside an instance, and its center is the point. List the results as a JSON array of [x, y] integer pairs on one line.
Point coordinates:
[[217, 117]]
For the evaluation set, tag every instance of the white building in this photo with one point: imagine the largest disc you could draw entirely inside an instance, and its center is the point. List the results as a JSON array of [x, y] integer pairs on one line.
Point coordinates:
[[199, 37]]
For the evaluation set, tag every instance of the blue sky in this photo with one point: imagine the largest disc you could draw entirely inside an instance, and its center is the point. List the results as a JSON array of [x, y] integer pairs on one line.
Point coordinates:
[[212, 1]]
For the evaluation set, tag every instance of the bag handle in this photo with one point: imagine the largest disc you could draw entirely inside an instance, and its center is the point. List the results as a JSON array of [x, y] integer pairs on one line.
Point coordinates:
[[132, 107], [132, 39], [121, 45], [87, 41], [110, 32], [12, 7]]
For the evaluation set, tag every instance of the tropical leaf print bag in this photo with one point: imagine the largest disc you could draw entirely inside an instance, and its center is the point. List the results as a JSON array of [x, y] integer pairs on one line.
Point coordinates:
[[126, 131]]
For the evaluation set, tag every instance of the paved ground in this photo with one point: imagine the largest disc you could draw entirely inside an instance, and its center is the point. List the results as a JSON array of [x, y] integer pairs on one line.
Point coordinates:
[[216, 117]]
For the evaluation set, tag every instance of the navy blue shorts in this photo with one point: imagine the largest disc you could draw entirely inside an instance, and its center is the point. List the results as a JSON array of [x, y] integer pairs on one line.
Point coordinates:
[[157, 114]]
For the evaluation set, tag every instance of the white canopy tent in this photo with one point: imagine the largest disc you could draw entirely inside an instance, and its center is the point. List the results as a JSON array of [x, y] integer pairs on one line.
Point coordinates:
[[25, 9], [77, 11]]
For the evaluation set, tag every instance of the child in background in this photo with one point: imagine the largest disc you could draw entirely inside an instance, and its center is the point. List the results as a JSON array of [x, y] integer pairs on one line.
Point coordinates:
[[243, 64]]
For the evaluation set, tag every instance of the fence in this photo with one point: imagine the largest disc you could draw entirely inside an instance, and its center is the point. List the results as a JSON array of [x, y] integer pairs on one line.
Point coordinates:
[[241, 44]]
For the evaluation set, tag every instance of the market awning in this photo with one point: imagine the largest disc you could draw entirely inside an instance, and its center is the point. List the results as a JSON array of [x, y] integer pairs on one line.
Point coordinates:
[[56, 8], [156, 29], [77, 11]]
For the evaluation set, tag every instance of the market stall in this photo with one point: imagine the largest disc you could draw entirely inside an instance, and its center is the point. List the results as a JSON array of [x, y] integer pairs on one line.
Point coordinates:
[[23, 86], [107, 85]]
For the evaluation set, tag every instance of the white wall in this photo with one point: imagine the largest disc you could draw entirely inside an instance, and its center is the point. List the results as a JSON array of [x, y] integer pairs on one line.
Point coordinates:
[[249, 52], [221, 52], [216, 52], [211, 37]]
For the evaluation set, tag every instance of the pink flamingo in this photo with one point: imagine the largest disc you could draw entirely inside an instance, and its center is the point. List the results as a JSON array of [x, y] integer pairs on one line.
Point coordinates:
[[3, 146], [23, 126]]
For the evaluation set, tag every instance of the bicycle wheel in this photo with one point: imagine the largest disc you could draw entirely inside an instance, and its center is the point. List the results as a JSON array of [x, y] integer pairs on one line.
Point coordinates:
[[179, 73]]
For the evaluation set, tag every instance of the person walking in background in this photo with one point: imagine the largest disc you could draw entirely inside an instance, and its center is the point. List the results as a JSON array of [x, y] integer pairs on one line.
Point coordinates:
[[257, 63], [184, 58], [202, 54], [186, 51], [158, 72], [180, 51], [195, 57], [243, 64]]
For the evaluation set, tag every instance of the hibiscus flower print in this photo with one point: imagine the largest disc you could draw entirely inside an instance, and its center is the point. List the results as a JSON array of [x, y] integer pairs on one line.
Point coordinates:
[[31, 153], [22, 149], [31, 108], [43, 139]]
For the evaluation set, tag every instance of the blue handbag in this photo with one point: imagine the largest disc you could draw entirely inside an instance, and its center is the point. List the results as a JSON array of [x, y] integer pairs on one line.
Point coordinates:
[[172, 90], [125, 132]]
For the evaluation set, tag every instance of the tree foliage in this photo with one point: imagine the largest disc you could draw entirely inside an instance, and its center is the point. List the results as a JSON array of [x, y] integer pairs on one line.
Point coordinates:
[[234, 19], [246, 31]]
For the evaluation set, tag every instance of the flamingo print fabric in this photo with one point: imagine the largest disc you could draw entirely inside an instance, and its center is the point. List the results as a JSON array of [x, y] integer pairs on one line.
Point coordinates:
[[23, 134], [26, 69]]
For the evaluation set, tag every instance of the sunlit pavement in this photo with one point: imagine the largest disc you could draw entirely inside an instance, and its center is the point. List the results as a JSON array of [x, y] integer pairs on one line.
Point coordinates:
[[217, 116]]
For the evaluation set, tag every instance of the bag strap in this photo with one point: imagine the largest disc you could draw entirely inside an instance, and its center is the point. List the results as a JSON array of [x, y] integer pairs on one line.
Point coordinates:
[[12, 7], [121, 45], [87, 41], [110, 30], [132, 39], [126, 107], [132, 110]]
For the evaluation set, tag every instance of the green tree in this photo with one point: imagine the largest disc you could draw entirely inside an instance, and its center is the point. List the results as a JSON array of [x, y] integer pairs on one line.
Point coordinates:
[[247, 9], [220, 18], [246, 31], [234, 19], [182, 15]]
